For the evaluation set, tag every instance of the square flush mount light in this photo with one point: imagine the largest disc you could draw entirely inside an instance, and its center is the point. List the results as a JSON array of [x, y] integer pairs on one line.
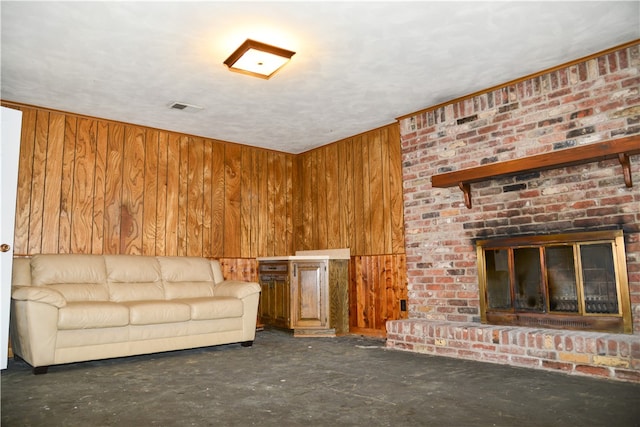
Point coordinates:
[[258, 59]]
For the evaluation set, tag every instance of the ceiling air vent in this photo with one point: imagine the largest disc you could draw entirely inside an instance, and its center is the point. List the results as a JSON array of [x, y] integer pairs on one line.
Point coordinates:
[[183, 106]]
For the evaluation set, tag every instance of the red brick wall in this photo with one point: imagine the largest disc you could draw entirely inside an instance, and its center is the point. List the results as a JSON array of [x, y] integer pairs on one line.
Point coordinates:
[[595, 100]]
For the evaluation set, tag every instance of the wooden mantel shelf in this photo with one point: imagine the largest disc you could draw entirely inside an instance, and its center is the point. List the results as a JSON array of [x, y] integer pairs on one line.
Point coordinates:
[[620, 148]]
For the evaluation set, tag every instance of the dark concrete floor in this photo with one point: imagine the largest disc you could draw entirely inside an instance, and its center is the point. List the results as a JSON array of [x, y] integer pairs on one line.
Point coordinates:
[[287, 381]]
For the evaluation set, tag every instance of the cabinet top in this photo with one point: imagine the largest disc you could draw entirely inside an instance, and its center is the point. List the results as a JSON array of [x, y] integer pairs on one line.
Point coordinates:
[[321, 254]]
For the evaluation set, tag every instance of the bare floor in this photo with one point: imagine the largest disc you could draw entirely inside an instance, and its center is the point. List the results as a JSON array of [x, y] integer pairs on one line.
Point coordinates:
[[287, 381]]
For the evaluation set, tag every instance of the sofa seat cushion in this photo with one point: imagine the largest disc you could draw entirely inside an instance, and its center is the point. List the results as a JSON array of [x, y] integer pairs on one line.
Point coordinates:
[[92, 315], [157, 312], [214, 307]]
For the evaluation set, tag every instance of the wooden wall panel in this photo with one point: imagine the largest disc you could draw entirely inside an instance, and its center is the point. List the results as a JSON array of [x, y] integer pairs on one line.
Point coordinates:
[[396, 196], [131, 212], [162, 195], [151, 153], [239, 269], [247, 239], [53, 183], [113, 188], [83, 187], [87, 185], [98, 186], [217, 200], [377, 287], [183, 173], [25, 173], [350, 195], [333, 186], [38, 180], [195, 197], [377, 200], [232, 201]]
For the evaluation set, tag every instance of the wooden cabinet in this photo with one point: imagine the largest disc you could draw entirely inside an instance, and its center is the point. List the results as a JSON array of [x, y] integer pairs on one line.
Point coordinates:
[[310, 297], [275, 297], [306, 294]]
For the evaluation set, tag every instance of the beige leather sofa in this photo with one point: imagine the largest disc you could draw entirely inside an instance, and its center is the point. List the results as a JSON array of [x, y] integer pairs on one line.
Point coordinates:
[[70, 308]]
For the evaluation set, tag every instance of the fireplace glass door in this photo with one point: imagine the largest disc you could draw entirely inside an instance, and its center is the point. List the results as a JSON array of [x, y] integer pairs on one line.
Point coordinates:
[[569, 281]]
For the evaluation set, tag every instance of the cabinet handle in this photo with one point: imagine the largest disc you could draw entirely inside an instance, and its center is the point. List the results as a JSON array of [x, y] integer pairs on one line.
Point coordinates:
[[295, 269]]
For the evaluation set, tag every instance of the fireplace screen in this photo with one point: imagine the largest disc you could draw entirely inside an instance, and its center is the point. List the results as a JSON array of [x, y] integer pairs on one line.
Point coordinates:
[[567, 281]]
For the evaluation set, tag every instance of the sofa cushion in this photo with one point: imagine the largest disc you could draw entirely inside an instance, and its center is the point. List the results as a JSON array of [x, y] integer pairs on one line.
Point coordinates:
[[217, 271], [186, 277], [214, 308], [185, 269], [156, 312], [76, 277], [133, 278], [92, 314]]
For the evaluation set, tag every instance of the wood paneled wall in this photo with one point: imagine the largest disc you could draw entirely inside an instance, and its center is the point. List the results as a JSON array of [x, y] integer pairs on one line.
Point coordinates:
[[87, 185], [378, 283], [349, 195]]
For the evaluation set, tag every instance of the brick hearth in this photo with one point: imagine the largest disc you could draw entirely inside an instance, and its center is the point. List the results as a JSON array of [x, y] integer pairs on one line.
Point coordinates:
[[614, 356]]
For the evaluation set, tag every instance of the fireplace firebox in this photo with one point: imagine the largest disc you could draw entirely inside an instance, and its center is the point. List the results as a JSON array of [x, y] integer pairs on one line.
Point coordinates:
[[565, 281]]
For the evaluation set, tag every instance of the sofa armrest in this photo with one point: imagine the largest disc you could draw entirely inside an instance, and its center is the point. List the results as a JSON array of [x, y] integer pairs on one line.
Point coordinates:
[[39, 294], [236, 288]]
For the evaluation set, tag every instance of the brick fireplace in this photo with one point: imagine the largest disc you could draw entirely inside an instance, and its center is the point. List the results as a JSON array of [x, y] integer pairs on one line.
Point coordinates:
[[585, 102]]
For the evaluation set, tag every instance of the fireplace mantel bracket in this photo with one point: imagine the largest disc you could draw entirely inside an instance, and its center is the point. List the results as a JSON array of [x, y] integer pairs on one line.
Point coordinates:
[[621, 149]]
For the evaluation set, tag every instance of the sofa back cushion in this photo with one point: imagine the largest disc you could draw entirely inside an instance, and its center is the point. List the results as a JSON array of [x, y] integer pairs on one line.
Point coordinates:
[[77, 277], [133, 278], [217, 271], [186, 277]]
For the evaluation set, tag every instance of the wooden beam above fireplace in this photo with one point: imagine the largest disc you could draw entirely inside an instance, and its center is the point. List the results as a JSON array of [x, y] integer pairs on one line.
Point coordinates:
[[620, 148]]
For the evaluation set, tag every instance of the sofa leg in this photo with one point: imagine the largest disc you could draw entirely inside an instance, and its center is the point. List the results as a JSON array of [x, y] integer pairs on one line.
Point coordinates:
[[246, 343], [40, 370]]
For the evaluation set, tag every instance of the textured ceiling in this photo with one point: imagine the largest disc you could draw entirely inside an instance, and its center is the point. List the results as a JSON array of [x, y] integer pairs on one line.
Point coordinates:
[[358, 65]]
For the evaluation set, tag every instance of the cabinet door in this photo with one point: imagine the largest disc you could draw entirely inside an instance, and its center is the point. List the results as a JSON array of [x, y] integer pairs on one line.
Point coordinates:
[[281, 306], [310, 299], [267, 301]]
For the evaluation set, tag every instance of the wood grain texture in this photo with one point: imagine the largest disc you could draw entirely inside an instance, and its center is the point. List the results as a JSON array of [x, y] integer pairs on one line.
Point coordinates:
[[132, 213], [232, 200], [38, 181], [25, 174], [150, 197], [53, 183], [99, 187], [195, 197], [66, 185], [161, 198], [350, 195], [377, 285], [339, 296], [239, 269], [217, 200], [83, 187], [396, 197], [207, 158], [87, 185], [183, 190]]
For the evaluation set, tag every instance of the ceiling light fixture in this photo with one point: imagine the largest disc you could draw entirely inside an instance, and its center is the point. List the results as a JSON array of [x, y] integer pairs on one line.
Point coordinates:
[[258, 59]]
